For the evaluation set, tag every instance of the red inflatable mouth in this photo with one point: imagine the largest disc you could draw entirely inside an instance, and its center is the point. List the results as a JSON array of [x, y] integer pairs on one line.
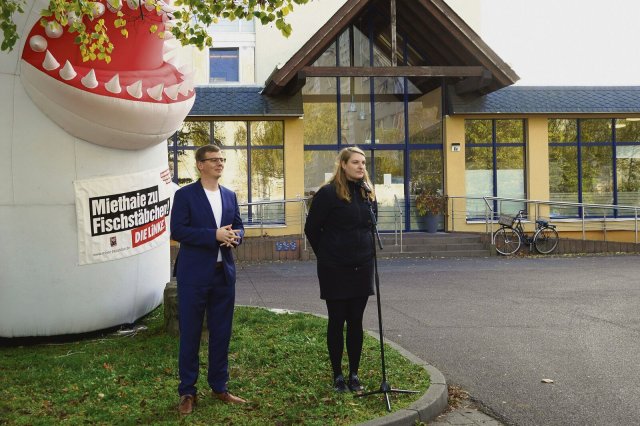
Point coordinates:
[[137, 71]]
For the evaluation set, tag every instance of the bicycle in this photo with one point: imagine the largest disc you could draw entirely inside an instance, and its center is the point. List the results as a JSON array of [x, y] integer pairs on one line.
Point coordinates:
[[511, 235]]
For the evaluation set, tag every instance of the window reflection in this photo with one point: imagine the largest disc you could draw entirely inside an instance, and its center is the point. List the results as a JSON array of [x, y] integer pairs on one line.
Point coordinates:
[[425, 119], [318, 168], [262, 140], [494, 165]]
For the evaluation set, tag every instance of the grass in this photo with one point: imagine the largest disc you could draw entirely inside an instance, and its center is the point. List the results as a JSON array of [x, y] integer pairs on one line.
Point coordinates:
[[278, 362]]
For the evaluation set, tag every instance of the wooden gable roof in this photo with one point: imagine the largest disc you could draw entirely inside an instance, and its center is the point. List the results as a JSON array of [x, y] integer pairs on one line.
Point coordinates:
[[454, 51]]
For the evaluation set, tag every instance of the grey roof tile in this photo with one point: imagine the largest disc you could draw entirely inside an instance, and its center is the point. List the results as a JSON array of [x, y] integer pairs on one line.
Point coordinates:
[[550, 100], [226, 101]]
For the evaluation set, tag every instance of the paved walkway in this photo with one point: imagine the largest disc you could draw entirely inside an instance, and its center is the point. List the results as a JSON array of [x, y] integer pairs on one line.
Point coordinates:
[[498, 326]]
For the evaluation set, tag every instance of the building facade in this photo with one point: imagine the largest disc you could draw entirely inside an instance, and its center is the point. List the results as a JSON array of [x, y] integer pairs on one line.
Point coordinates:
[[429, 102]]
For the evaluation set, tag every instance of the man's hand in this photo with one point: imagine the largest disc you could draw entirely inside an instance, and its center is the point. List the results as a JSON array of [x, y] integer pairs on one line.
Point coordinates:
[[227, 237]]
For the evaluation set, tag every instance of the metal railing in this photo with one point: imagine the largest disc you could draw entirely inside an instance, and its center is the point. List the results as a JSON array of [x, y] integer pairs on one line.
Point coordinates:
[[274, 213], [398, 222], [587, 217]]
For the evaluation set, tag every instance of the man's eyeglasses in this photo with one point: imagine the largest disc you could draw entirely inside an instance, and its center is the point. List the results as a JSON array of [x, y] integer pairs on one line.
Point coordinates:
[[215, 160]]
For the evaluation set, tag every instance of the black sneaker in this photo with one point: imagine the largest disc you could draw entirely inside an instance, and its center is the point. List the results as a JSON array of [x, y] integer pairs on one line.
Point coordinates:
[[339, 384], [354, 384]]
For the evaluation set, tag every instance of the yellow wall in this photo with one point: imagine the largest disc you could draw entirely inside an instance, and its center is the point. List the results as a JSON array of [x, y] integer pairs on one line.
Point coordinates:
[[294, 181], [454, 166]]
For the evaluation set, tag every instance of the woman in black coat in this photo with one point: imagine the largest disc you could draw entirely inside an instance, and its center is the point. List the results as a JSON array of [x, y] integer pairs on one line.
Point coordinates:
[[339, 229]]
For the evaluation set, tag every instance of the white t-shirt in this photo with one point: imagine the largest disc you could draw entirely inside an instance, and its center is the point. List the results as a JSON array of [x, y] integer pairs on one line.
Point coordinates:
[[215, 199]]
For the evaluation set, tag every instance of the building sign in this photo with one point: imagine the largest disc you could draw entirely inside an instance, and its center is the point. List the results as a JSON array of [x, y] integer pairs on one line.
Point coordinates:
[[121, 216]]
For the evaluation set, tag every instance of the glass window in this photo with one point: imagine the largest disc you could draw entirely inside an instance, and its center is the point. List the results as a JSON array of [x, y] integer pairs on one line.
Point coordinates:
[[425, 119], [563, 130], [597, 176], [187, 170], [388, 180], [628, 130], [355, 111], [628, 175], [478, 179], [194, 133], [223, 65], [320, 111], [263, 141], [478, 131], [230, 133], [267, 133], [425, 168], [509, 131], [235, 174], [494, 166], [510, 177], [389, 110], [595, 130], [319, 166], [267, 174], [563, 179]]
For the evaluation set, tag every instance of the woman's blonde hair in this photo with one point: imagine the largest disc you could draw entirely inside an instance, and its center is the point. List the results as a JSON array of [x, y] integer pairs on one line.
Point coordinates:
[[339, 178]]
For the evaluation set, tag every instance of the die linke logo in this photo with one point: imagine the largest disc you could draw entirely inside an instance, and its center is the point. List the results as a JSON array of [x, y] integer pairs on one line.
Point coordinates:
[[148, 232]]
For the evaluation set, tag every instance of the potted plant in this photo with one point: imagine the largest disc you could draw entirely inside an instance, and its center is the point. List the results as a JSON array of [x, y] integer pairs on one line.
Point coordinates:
[[431, 204]]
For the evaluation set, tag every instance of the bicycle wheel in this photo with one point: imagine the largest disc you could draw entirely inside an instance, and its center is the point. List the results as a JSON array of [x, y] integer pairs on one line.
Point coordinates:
[[507, 241], [546, 240]]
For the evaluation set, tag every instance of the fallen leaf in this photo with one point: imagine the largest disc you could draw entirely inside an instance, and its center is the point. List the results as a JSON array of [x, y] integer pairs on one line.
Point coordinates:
[[547, 381]]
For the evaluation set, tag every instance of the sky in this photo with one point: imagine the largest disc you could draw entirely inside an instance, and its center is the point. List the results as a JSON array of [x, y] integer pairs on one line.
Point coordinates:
[[561, 42]]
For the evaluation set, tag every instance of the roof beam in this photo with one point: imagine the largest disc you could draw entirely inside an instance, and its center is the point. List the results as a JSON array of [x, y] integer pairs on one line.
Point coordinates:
[[399, 71]]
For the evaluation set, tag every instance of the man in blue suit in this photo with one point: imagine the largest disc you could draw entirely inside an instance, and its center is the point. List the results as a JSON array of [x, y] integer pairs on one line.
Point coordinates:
[[205, 219]]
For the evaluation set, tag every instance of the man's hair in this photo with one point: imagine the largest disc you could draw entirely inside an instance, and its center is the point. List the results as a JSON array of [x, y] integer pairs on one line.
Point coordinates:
[[203, 150]]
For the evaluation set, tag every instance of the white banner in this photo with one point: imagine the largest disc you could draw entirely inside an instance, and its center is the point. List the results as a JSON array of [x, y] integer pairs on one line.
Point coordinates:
[[121, 216]]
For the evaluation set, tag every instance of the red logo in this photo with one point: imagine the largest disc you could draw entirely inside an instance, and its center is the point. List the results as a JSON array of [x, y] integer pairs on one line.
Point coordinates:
[[148, 232]]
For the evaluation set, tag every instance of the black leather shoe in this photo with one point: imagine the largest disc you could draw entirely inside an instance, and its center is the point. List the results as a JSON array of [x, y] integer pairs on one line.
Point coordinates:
[[354, 384], [339, 384]]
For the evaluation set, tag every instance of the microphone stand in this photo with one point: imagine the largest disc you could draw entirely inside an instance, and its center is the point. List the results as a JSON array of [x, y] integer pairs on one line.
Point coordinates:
[[385, 388]]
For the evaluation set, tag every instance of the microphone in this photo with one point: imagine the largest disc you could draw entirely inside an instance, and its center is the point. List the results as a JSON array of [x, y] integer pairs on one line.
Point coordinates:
[[363, 184]]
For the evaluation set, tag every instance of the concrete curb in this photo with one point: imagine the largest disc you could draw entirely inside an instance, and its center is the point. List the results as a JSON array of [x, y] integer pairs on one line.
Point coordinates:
[[429, 406]]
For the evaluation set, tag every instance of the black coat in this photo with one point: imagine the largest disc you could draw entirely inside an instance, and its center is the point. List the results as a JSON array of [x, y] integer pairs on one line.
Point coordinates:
[[340, 234]]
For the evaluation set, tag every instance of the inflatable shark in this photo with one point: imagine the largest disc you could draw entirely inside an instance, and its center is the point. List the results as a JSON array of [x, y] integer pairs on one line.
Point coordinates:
[[83, 171]]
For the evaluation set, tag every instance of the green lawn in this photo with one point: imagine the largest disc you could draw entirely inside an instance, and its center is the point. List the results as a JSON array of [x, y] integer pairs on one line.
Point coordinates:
[[278, 362]]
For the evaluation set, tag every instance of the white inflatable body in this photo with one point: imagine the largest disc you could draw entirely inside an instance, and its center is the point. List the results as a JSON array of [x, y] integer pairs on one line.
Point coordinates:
[[55, 133]]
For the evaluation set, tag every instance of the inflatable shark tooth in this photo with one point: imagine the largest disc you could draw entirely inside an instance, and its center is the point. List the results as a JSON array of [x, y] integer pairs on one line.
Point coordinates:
[[167, 8], [167, 17], [133, 4], [167, 47], [50, 62], [114, 5], [135, 90], [185, 88], [53, 29], [156, 92], [169, 23], [186, 72], [149, 5], [175, 61], [38, 43], [67, 72], [73, 17], [113, 85], [98, 9], [172, 91], [90, 81], [169, 55]]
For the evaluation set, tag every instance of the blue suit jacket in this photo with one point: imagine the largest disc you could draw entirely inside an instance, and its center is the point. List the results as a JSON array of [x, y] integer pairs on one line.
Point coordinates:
[[194, 227]]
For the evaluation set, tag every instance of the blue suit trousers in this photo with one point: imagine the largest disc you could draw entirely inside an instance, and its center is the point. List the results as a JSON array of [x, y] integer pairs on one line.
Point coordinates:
[[217, 300]]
